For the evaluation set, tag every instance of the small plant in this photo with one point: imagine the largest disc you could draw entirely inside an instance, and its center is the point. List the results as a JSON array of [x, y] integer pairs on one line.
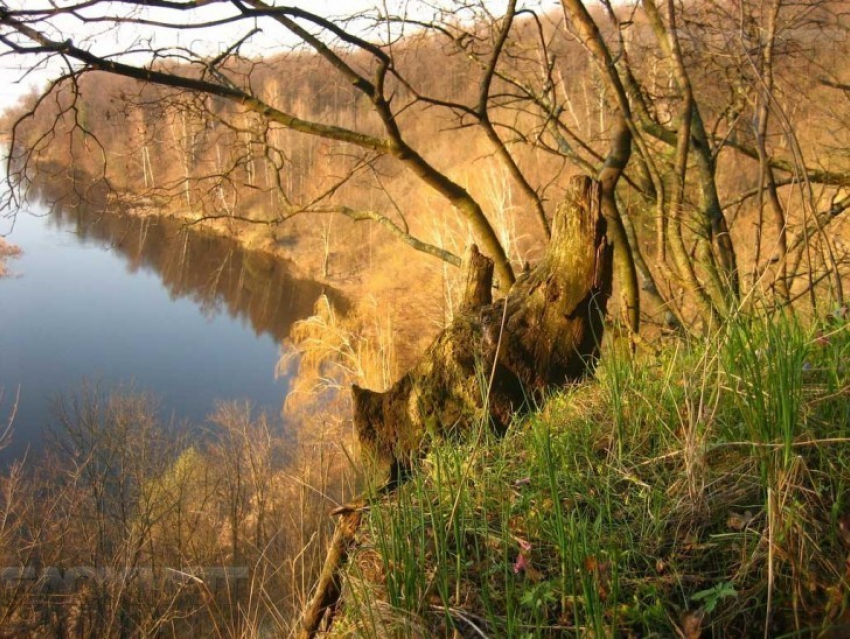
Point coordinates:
[[539, 597], [714, 595]]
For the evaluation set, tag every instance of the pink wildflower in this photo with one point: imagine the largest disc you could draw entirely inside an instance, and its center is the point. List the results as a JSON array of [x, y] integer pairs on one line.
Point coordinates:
[[520, 564]]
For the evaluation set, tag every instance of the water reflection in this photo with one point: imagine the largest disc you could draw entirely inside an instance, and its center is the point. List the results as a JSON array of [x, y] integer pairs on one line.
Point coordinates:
[[214, 272], [190, 317]]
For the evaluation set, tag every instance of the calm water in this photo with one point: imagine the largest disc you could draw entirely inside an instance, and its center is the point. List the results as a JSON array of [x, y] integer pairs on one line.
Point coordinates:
[[143, 303]]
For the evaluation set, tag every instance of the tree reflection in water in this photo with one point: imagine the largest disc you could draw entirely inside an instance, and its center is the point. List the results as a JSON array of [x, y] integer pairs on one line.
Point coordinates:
[[214, 272]]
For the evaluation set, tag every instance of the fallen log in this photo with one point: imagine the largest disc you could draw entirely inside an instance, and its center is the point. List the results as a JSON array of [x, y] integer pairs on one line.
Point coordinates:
[[321, 607], [497, 358]]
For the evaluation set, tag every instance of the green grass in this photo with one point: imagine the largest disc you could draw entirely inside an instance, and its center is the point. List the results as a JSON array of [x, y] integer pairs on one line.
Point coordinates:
[[701, 490]]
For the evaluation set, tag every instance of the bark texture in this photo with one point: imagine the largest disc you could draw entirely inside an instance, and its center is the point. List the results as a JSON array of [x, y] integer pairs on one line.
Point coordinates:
[[496, 358]]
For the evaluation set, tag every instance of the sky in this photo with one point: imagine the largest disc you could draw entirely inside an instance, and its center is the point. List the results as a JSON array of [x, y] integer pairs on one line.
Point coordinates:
[[17, 76]]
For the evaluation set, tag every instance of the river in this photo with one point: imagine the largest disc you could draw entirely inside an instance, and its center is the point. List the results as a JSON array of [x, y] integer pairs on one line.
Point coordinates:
[[141, 304]]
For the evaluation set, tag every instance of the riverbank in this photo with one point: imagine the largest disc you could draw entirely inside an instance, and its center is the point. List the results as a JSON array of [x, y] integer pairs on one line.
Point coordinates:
[[8, 251], [390, 286], [698, 492]]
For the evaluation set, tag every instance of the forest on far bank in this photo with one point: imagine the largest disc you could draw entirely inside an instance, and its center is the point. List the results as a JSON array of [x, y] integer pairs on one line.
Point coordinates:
[[506, 107]]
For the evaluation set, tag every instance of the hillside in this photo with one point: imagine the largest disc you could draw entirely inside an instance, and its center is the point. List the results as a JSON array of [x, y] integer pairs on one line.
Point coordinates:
[[694, 484], [700, 491]]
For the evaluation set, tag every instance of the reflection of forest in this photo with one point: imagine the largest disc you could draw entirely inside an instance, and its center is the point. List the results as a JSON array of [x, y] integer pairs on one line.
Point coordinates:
[[215, 272]]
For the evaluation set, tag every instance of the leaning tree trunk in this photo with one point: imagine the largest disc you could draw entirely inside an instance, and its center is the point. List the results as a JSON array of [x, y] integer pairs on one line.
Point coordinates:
[[497, 358]]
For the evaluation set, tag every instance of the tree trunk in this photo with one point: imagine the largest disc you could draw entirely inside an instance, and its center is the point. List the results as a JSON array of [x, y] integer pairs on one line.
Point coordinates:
[[496, 358]]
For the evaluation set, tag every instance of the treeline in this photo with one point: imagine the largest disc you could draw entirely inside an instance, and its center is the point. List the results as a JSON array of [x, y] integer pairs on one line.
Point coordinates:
[[113, 142], [125, 524]]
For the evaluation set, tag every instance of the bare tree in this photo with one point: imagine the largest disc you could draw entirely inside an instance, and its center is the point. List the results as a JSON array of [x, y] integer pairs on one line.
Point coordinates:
[[531, 83], [368, 67]]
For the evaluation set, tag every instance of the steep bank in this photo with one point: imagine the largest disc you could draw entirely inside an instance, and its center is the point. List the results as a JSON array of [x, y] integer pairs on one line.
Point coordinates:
[[699, 492]]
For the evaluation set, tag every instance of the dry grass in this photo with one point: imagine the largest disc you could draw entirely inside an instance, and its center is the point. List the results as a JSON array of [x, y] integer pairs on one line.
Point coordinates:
[[7, 251]]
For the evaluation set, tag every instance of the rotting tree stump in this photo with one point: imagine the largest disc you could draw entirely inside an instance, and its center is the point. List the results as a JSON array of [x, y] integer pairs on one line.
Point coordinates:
[[492, 362], [497, 358]]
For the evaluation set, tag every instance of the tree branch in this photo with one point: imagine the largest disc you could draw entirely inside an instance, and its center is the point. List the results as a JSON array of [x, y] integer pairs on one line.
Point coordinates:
[[359, 215]]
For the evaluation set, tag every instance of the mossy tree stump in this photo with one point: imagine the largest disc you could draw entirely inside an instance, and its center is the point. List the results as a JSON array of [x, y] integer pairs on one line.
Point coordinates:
[[496, 358]]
